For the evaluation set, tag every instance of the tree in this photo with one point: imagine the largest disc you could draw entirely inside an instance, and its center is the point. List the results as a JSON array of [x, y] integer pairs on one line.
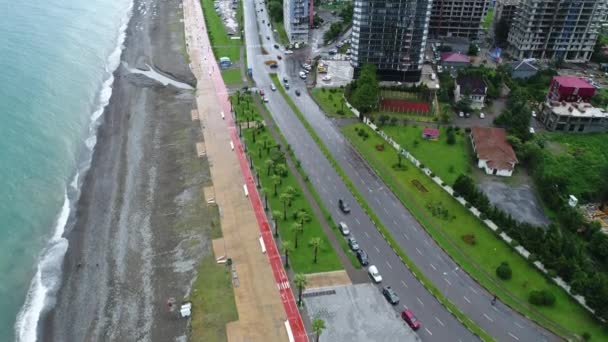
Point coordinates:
[[297, 229], [275, 9], [269, 164], [280, 169], [318, 325], [399, 156], [383, 119], [285, 198], [451, 140], [473, 50], [364, 96], [265, 192], [303, 217], [315, 242], [275, 216], [504, 271], [301, 282], [260, 146], [286, 247], [291, 191], [276, 181]]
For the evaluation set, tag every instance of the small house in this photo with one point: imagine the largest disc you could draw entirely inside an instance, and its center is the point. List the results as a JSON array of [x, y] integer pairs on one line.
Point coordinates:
[[494, 153], [454, 61], [430, 134], [523, 69], [472, 86]]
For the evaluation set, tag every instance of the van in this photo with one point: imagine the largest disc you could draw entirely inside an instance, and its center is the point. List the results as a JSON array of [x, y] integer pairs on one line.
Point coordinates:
[[433, 76]]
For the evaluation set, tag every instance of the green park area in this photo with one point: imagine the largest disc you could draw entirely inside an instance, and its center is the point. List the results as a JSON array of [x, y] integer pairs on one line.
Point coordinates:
[[308, 248], [469, 242], [332, 102], [448, 157]]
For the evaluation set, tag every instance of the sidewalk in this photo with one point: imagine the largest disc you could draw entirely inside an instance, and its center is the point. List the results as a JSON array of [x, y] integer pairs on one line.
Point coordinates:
[[263, 300]]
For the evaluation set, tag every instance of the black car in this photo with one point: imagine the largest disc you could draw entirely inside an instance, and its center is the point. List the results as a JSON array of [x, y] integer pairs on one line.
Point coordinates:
[[267, 37], [343, 206], [276, 46], [297, 93], [390, 295], [363, 258]]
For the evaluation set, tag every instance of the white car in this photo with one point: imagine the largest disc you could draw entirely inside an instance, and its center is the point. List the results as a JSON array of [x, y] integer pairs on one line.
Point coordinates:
[[343, 228], [302, 75], [461, 114], [533, 114], [272, 87], [374, 274], [326, 78], [288, 52], [439, 68], [266, 99], [482, 116], [532, 131]]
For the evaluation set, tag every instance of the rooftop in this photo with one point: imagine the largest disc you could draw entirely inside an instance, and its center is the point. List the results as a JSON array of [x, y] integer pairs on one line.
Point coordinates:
[[455, 57], [491, 145], [473, 84], [522, 65], [573, 82], [433, 132], [581, 109]]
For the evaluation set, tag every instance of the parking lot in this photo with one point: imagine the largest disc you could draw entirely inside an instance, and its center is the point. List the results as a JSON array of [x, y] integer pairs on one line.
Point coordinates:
[[339, 72]]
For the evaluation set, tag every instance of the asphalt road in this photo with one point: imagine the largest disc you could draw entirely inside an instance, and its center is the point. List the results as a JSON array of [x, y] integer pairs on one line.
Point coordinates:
[[438, 325]]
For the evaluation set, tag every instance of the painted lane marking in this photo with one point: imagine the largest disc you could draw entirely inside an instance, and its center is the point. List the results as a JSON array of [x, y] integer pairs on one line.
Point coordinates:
[[358, 222], [440, 322], [419, 301], [366, 234], [407, 237], [389, 265], [417, 250], [427, 242], [472, 289], [376, 248], [378, 201], [447, 281], [488, 317], [428, 331], [519, 325], [386, 211], [515, 337], [394, 204], [433, 267], [395, 222], [467, 299], [404, 284]]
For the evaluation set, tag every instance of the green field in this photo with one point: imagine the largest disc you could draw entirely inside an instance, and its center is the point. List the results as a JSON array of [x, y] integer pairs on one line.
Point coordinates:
[[580, 159], [565, 318], [446, 161], [223, 46], [232, 76], [332, 102], [281, 33]]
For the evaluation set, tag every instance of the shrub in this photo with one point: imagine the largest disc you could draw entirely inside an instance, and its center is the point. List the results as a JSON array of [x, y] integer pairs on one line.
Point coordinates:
[[541, 298], [469, 239], [467, 129], [586, 336], [340, 112], [514, 243], [468, 205], [503, 271], [421, 166], [532, 257], [483, 216], [432, 175], [455, 194], [442, 183]]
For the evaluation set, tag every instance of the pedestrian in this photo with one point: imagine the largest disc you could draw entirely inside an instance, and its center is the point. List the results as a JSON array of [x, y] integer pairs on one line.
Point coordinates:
[[494, 300]]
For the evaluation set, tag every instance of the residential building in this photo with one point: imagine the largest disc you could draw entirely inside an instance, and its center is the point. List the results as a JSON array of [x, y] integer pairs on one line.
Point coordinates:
[[296, 19], [494, 153], [391, 35], [522, 69], [458, 18], [453, 61], [570, 89], [580, 117], [472, 86], [556, 29], [505, 9]]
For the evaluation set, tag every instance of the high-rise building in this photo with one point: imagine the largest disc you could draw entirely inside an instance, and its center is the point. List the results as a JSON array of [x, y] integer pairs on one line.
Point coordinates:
[[556, 29], [458, 18], [505, 9], [296, 19], [391, 34]]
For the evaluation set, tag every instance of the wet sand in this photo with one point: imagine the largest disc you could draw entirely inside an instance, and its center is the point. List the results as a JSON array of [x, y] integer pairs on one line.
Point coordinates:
[[140, 229]]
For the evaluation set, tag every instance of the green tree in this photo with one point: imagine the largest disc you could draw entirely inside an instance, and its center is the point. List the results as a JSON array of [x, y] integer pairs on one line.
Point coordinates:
[[281, 169], [318, 325], [473, 50], [276, 214], [265, 193], [269, 164], [503, 271], [297, 229], [301, 283], [285, 198], [383, 119], [276, 181], [451, 139], [303, 217], [286, 247], [292, 192], [316, 243]]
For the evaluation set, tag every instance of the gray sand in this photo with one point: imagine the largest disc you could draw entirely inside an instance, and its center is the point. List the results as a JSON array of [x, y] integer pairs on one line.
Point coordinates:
[[140, 227]]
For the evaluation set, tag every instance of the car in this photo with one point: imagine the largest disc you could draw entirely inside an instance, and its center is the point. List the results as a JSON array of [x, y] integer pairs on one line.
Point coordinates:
[[343, 206], [433, 76], [276, 46], [532, 131], [408, 316], [343, 228], [285, 80], [461, 114], [390, 295], [533, 114], [332, 52], [266, 99], [263, 21], [297, 93], [302, 75], [279, 57], [262, 92], [286, 86], [267, 37], [274, 66], [439, 68], [482, 116], [353, 244], [288, 52], [268, 24], [467, 115], [326, 78], [272, 87], [374, 274], [362, 257]]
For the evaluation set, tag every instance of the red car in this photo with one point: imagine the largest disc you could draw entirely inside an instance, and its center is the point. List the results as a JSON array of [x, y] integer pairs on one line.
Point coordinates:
[[279, 57], [261, 93], [410, 319]]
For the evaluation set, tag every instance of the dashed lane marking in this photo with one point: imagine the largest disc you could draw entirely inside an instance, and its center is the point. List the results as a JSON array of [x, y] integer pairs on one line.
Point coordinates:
[[386, 211], [472, 289], [404, 284], [447, 281], [389, 265], [428, 331], [518, 325], [440, 322], [366, 234], [407, 237], [417, 250], [488, 317], [358, 222], [515, 337], [467, 299], [419, 301], [433, 267], [376, 248]]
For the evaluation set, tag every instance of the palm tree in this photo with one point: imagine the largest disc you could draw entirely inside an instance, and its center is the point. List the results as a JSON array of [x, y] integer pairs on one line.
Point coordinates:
[[318, 325], [297, 230], [265, 193], [301, 282], [286, 247], [285, 198], [316, 243], [280, 169], [260, 146], [269, 164], [276, 214], [276, 181], [292, 191], [303, 217], [238, 97]]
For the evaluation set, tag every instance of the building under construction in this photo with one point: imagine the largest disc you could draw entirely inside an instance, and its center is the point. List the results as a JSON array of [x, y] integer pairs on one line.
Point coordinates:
[[556, 29], [458, 18]]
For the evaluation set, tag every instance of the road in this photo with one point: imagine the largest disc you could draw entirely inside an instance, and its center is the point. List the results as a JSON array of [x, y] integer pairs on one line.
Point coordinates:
[[499, 321]]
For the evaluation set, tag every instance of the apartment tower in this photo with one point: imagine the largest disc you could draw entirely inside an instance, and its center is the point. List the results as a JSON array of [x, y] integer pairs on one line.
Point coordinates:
[[458, 18], [391, 34], [505, 9], [553, 29], [296, 19]]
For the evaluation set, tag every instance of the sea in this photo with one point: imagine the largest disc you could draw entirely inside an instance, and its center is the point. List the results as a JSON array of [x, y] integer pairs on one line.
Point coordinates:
[[56, 64]]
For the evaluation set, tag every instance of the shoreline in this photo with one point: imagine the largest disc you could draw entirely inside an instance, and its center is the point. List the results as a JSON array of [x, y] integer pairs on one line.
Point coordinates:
[[137, 237]]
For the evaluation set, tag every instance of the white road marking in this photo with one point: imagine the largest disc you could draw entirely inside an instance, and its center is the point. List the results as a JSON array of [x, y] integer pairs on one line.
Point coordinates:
[[472, 289], [447, 281], [427, 242], [433, 267], [417, 250], [377, 200], [428, 331], [519, 325], [377, 250], [389, 265], [366, 234], [407, 237], [395, 222], [467, 299], [495, 309], [386, 211], [358, 222], [440, 322], [404, 284], [488, 317], [369, 189], [419, 301], [515, 337], [394, 204]]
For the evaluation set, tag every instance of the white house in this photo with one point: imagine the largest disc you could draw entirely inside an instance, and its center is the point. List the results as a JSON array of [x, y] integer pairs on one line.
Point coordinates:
[[494, 153], [473, 86]]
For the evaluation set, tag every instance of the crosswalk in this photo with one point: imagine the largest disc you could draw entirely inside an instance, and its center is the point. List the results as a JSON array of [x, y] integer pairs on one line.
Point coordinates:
[[284, 285]]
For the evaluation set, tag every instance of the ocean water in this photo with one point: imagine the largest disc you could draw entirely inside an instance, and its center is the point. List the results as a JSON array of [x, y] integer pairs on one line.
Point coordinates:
[[56, 64]]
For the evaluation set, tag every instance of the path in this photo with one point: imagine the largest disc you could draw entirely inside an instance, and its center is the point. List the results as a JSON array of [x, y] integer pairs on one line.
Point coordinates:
[[262, 311]]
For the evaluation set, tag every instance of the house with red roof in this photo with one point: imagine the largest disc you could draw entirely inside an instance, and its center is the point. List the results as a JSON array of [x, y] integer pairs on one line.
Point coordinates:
[[570, 89], [430, 134], [454, 60], [494, 153]]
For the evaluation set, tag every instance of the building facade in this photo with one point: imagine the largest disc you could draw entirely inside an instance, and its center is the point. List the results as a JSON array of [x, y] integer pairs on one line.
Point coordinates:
[[570, 89], [577, 117], [493, 152], [505, 9], [556, 29], [296, 19], [472, 86], [457, 18], [390, 34]]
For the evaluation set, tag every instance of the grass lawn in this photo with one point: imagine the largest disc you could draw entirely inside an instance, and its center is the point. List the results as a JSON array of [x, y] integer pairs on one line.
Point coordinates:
[[213, 303], [487, 20], [565, 317], [332, 102], [403, 116], [446, 161], [281, 34], [232, 76], [223, 46], [579, 158]]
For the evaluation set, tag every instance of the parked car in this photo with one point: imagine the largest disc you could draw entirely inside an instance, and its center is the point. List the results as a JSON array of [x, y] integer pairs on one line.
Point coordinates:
[[532, 131], [408, 316], [533, 114], [332, 52], [439, 68], [266, 99], [343, 228], [363, 258], [297, 92], [302, 75], [461, 114], [285, 80], [279, 57], [390, 295], [272, 87], [267, 37], [343, 206], [353, 244], [326, 78], [288, 52], [286, 86], [276, 46], [374, 274], [482, 116], [274, 66]]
